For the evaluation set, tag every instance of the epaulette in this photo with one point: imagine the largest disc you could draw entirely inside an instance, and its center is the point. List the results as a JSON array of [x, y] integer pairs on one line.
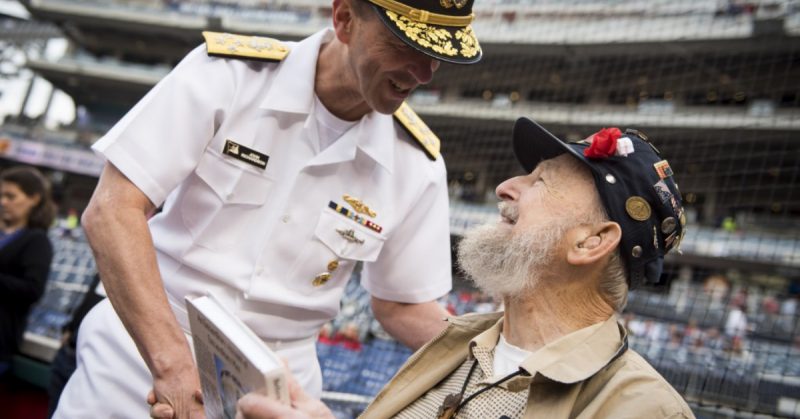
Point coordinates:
[[417, 129], [227, 45]]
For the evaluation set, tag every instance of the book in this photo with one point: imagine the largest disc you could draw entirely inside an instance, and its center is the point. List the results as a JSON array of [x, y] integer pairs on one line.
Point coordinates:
[[231, 358]]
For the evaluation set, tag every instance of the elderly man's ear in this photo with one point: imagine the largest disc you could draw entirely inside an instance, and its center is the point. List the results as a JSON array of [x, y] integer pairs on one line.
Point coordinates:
[[594, 242]]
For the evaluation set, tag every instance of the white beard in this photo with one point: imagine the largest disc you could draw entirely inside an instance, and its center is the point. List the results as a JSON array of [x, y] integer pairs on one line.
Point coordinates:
[[503, 264]]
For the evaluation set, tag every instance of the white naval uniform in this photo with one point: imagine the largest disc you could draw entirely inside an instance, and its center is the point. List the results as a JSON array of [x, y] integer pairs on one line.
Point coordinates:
[[256, 238]]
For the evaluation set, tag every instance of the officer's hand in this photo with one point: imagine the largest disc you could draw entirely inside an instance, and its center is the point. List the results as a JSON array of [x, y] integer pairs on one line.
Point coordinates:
[[162, 410], [303, 406], [177, 396]]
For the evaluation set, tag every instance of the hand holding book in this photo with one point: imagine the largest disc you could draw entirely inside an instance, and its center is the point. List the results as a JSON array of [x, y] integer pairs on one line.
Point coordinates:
[[231, 359]]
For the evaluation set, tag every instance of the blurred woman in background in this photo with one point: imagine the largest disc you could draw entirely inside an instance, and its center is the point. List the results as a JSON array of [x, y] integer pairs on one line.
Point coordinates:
[[27, 211]]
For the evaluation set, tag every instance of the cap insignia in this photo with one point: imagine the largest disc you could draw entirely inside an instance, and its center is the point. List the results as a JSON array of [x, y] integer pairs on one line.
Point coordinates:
[[668, 225], [663, 191], [415, 127], [450, 3], [244, 46], [663, 169], [425, 16], [655, 237], [638, 208]]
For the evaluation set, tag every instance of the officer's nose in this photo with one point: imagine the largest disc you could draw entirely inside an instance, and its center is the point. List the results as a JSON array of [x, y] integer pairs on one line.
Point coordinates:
[[423, 67]]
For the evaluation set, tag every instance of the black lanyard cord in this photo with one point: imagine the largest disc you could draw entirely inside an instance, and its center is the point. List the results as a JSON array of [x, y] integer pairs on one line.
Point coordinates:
[[489, 387]]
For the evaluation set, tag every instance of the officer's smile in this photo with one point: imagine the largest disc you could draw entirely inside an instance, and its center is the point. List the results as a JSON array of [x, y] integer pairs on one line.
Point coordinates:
[[398, 88]]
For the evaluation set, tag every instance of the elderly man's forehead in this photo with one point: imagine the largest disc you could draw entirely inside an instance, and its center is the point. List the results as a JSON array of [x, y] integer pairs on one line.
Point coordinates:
[[560, 162]]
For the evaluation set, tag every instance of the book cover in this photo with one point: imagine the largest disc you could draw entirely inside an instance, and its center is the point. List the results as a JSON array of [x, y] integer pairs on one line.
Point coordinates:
[[231, 359]]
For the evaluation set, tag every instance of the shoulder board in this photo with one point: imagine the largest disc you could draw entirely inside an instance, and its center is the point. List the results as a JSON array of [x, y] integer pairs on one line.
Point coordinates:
[[227, 45], [417, 129]]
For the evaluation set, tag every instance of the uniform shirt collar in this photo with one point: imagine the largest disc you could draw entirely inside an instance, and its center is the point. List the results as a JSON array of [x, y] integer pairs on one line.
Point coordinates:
[[292, 90], [570, 359]]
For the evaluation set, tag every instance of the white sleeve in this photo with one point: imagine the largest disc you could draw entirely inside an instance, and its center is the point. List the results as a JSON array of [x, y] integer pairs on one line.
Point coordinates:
[[414, 265], [160, 141]]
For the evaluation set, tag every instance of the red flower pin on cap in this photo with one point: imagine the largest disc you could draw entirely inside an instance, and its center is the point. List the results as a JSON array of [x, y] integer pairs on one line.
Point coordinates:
[[604, 143]]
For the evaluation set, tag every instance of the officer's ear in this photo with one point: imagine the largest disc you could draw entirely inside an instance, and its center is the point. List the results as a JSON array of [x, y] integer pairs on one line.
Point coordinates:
[[343, 20]]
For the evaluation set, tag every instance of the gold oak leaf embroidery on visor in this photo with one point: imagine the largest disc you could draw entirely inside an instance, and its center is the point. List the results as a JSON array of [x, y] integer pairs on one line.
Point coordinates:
[[439, 40], [469, 44]]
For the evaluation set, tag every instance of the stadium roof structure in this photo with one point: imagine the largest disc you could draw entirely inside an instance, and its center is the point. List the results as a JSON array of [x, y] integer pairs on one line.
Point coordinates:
[[159, 33], [605, 67]]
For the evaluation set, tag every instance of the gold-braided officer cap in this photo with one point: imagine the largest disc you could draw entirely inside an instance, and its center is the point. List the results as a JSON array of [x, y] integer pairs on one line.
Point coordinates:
[[441, 29]]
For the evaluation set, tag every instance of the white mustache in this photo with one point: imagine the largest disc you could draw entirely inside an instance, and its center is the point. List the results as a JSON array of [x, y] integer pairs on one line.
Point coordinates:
[[508, 211]]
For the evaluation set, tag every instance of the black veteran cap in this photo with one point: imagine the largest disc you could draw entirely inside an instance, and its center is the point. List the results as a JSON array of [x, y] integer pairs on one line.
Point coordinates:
[[439, 28], [635, 184]]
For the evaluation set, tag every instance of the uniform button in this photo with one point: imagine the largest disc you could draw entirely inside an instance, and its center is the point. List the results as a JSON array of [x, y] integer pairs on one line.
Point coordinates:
[[332, 265], [321, 279], [286, 218], [230, 196]]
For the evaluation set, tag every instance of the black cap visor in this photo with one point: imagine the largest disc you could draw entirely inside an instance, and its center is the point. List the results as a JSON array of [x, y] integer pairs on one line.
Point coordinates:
[[534, 144]]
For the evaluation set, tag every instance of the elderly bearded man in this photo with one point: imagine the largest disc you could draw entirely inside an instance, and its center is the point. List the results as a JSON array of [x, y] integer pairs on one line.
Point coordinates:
[[591, 219]]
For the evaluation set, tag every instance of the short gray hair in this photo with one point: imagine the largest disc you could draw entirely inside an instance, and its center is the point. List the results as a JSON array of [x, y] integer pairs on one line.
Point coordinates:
[[613, 285]]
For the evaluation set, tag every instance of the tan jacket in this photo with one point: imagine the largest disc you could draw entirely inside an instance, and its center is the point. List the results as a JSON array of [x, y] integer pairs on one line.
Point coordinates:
[[582, 375]]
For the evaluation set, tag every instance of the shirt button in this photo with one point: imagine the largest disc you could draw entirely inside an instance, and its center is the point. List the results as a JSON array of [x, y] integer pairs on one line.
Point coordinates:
[[286, 218], [259, 271], [230, 196]]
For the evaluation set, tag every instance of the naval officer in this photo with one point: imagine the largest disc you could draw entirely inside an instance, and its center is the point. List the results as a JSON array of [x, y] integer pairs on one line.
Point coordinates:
[[279, 166]]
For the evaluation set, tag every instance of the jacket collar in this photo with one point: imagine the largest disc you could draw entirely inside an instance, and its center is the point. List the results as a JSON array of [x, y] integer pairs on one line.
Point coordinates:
[[580, 354], [292, 91]]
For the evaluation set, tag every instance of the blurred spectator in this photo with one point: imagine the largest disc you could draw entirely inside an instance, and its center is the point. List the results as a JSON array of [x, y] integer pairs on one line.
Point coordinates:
[[736, 323], [68, 226], [729, 224], [716, 287], [25, 252], [692, 334], [789, 306], [714, 340]]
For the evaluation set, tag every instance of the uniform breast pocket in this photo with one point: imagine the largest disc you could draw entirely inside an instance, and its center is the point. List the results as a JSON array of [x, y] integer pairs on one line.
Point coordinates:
[[348, 239], [222, 202], [338, 243]]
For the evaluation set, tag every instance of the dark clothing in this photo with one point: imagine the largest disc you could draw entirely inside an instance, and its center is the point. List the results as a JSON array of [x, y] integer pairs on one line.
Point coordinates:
[[61, 369], [89, 300], [24, 267]]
